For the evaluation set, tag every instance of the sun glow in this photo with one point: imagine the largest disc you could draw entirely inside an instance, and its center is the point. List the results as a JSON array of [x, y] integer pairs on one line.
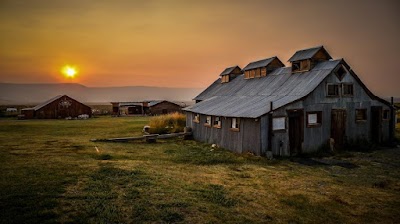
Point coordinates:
[[69, 71]]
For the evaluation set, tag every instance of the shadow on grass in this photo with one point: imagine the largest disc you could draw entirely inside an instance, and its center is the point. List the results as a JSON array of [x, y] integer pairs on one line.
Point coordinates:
[[323, 162], [302, 210], [202, 155]]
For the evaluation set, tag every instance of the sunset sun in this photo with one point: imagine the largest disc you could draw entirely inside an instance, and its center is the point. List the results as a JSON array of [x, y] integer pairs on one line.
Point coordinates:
[[69, 71]]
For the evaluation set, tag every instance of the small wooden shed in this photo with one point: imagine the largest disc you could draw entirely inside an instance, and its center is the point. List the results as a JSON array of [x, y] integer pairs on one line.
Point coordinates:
[[150, 107], [61, 106], [163, 107]]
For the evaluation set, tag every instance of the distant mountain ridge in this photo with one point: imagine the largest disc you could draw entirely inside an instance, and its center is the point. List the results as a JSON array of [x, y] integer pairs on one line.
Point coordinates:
[[11, 93]]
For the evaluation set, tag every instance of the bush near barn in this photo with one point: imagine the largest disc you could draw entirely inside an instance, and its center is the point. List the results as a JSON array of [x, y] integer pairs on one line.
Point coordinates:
[[168, 123]]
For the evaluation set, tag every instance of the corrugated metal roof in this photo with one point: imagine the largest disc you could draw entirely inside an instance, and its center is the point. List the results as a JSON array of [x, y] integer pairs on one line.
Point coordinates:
[[307, 53], [127, 104], [228, 71], [37, 107], [155, 102], [252, 97], [258, 64]]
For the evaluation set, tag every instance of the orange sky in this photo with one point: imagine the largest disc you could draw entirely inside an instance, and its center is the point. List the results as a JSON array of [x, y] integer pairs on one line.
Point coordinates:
[[188, 43]]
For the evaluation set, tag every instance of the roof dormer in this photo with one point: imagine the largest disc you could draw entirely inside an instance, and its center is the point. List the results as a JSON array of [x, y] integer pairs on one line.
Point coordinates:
[[305, 60], [261, 68], [230, 73]]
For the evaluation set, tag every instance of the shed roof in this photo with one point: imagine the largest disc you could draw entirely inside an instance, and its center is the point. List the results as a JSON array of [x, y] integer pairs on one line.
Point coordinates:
[[39, 106], [229, 70], [127, 104], [308, 53], [259, 64], [252, 97]]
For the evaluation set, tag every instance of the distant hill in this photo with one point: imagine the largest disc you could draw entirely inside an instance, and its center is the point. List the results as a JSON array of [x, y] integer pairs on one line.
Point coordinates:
[[14, 94]]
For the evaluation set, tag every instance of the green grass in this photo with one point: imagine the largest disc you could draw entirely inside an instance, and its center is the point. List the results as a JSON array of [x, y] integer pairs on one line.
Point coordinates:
[[51, 172]]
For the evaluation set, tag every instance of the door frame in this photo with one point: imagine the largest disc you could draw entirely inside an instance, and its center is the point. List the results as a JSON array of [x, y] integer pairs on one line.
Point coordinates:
[[339, 144], [376, 110], [297, 114]]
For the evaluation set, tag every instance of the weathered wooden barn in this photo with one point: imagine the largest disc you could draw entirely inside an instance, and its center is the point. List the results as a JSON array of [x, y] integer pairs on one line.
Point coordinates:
[[163, 107], [152, 107], [271, 109], [58, 107]]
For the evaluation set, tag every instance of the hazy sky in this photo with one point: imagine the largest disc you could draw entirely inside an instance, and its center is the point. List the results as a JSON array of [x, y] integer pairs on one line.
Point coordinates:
[[188, 43]]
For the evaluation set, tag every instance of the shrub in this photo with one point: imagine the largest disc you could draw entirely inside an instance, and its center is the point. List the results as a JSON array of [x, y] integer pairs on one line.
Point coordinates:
[[169, 123]]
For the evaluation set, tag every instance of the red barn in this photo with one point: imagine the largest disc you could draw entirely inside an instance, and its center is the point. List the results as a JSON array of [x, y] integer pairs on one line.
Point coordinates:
[[58, 107]]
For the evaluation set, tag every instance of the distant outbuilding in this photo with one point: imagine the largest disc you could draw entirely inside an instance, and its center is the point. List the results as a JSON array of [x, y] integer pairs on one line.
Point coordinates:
[[151, 107], [61, 106]]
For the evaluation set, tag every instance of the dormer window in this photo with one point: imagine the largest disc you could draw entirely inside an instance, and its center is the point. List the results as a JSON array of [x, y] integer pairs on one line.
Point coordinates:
[[230, 73], [261, 68], [305, 60], [301, 66], [225, 78]]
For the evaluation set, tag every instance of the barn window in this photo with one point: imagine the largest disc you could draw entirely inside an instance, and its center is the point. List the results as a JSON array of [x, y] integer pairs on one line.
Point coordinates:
[[247, 74], [332, 89], [196, 118], [304, 65], [314, 119], [278, 123], [225, 78], [341, 72], [252, 73], [258, 73], [361, 114], [235, 124], [295, 66], [208, 121], [386, 115], [263, 71], [348, 89], [217, 122]]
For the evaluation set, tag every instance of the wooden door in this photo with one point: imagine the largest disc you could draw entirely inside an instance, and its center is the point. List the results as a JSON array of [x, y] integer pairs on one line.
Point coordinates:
[[296, 131], [376, 124], [338, 127]]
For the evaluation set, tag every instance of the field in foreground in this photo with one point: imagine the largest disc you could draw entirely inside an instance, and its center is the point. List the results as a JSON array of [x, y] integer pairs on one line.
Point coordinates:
[[51, 172]]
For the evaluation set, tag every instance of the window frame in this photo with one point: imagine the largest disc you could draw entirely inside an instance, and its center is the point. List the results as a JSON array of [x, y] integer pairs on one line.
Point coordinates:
[[208, 121], [365, 111], [341, 76], [196, 115], [252, 74], [319, 119], [279, 130], [385, 112], [332, 84], [297, 64], [237, 122], [218, 125], [352, 89]]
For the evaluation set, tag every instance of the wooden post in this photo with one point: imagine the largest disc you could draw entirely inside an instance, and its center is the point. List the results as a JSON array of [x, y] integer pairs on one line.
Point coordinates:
[[392, 121], [269, 148]]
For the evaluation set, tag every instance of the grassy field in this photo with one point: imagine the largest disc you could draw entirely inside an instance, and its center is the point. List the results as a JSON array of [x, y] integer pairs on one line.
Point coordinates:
[[51, 172]]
